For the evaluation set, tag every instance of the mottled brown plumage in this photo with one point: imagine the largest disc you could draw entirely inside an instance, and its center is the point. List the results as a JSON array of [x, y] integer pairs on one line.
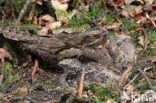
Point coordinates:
[[93, 46]]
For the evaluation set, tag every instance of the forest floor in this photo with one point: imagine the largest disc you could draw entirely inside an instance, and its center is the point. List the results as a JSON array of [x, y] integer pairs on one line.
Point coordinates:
[[134, 18]]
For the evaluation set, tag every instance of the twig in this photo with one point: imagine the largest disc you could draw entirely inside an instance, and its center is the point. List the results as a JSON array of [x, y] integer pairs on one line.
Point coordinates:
[[81, 84], [149, 83], [36, 67], [132, 80], [145, 38], [23, 11], [147, 60], [136, 77], [147, 16], [130, 68]]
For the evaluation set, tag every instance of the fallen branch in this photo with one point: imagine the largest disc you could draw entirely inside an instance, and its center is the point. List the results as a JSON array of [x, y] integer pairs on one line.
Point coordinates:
[[151, 59], [136, 77], [148, 17], [145, 38], [148, 81], [22, 12]]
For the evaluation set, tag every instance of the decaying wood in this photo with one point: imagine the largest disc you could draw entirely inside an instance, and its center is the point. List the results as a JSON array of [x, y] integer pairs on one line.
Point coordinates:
[[93, 46]]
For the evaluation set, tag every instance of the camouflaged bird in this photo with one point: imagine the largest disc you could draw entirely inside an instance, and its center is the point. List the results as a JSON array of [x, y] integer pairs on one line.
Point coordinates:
[[94, 47]]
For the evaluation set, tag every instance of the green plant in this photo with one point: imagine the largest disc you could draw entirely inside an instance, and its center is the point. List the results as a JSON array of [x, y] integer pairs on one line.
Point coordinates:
[[8, 75], [94, 12], [102, 92]]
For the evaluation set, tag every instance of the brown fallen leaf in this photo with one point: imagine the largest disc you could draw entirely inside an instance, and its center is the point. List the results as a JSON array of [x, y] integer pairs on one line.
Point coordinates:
[[39, 2], [53, 25], [141, 40], [50, 26], [129, 87], [118, 2], [41, 22], [124, 32], [48, 18], [59, 5], [23, 91], [113, 25], [4, 54]]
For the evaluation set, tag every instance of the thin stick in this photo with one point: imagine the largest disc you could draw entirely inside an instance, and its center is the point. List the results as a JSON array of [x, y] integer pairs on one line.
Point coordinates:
[[130, 68], [151, 59], [136, 77], [81, 84], [149, 83], [22, 12], [132, 80], [147, 16], [145, 38], [36, 67]]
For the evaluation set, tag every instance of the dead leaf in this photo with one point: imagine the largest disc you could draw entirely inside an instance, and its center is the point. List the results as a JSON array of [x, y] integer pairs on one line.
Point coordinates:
[[138, 16], [118, 2], [48, 18], [141, 40], [41, 21], [44, 31], [63, 19], [125, 32], [5, 54], [59, 6], [125, 13], [39, 2], [113, 25], [23, 91], [129, 87], [50, 26], [53, 25], [84, 95], [142, 20], [138, 9], [102, 20], [109, 101]]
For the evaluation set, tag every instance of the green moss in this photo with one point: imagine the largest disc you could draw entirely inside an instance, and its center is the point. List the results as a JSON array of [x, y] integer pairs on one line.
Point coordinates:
[[109, 19], [9, 76], [103, 91], [87, 16], [132, 27], [90, 99], [152, 35]]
